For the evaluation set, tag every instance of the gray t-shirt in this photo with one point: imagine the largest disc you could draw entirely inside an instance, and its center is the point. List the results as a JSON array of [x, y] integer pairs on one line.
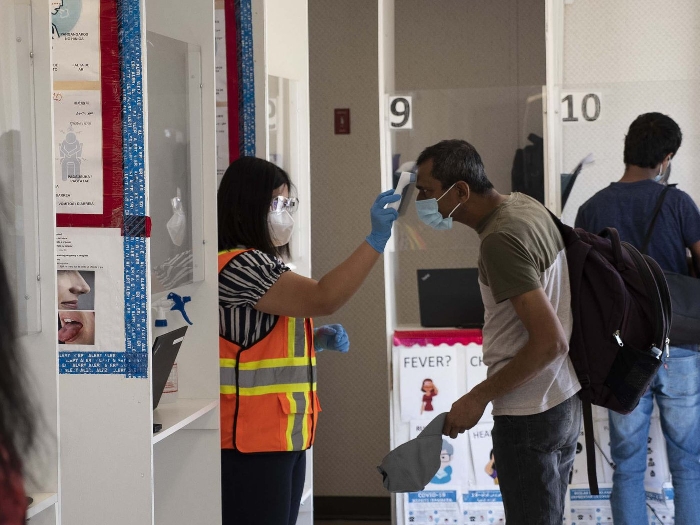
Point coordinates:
[[522, 250]]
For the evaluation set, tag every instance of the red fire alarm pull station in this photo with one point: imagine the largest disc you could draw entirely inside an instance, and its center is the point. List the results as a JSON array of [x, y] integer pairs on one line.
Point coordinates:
[[342, 121]]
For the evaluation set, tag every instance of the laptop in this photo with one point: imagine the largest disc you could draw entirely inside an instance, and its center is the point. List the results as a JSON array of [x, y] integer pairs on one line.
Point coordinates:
[[165, 349], [450, 298]]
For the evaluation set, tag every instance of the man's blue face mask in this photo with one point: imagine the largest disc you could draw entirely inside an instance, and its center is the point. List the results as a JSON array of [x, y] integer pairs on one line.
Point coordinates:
[[428, 212]]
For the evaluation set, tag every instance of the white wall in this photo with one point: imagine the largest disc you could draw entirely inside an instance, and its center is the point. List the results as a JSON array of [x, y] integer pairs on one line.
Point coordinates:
[[187, 465], [641, 56], [287, 58]]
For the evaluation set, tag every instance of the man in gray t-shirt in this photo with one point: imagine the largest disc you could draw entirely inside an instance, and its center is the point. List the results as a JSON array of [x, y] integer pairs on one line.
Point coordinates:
[[525, 288]]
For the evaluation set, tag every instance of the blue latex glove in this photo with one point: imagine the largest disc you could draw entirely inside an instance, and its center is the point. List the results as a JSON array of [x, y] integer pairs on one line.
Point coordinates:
[[331, 337], [382, 220]]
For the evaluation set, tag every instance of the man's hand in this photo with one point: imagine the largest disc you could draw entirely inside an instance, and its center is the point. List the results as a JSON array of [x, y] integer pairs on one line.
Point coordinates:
[[465, 413]]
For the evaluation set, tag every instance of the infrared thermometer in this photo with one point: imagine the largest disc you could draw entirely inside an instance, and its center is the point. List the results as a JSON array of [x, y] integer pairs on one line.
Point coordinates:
[[404, 188]]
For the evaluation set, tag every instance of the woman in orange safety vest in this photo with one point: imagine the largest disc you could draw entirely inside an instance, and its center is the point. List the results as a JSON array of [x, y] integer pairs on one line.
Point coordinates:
[[267, 342]]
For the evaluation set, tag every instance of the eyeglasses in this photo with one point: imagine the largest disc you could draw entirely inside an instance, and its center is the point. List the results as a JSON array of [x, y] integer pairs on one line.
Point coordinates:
[[280, 204]]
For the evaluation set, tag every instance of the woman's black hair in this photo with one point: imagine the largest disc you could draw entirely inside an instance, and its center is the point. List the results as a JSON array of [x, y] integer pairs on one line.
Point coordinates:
[[243, 204], [17, 411]]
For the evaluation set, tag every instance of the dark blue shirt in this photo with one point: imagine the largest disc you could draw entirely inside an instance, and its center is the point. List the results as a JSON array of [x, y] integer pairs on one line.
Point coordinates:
[[628, 207]]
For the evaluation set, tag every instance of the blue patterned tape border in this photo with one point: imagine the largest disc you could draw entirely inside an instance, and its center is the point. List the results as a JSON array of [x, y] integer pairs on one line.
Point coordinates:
[[246, 79], [135, 294], [92, 362]]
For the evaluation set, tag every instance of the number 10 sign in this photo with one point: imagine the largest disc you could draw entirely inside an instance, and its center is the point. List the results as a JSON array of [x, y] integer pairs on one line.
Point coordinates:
[[580, 107], [400, 112]]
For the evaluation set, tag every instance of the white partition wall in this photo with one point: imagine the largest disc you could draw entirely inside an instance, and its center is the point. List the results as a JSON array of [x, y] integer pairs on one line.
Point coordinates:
[[187, 462], [114, 468]]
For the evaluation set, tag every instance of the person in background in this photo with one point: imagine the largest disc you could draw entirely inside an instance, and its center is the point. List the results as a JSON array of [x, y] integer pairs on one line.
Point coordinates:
[[17, 424], [267, 343], [651, 144], [524, 283]]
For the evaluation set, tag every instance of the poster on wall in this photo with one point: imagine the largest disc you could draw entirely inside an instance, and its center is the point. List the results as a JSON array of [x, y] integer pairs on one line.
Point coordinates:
[[483, 506], [476, 373], [432, 507], [602, 438], [657, 469], [220, 50], [78, 146], [222, 145], [90, 267], [586, 509], [75, 39], [484, 461], [660, 507], [428, 381], [579, 471], [455, 460]]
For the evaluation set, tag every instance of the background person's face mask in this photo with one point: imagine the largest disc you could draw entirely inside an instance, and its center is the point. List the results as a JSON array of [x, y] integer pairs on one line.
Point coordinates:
[[663, 176], [281, 225], [428, 212]]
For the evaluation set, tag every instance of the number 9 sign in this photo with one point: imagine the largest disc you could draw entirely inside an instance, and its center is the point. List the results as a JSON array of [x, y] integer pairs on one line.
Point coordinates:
[[400, 114]]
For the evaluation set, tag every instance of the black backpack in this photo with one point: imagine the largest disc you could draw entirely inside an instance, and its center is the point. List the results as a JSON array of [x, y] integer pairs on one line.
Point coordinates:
[[621, 321]]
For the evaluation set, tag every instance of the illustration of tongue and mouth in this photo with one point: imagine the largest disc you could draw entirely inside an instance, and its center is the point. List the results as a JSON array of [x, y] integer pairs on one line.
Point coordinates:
[[69, 330]]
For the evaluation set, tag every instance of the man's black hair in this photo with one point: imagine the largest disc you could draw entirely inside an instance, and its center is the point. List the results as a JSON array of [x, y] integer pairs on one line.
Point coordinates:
[[651, 137], [454, 161]]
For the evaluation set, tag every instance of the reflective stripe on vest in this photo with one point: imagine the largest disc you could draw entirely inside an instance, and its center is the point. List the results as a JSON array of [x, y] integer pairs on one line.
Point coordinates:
[[270, 376], [297, 338], [297, 427]]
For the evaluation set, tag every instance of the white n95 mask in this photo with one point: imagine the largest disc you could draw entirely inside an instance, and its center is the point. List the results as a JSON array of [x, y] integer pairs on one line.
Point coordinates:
[[177, 225], [281, 227]]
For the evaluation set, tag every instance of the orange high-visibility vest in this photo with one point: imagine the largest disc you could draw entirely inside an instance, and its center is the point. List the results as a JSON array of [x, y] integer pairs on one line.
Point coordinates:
[[268, 391]]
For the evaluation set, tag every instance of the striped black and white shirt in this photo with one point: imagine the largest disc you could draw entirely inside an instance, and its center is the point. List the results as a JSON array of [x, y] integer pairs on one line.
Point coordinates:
[[242, 282]]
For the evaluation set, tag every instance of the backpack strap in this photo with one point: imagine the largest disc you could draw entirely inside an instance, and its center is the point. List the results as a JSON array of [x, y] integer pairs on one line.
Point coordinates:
[[650, 230], [590, 446], [616, 246]]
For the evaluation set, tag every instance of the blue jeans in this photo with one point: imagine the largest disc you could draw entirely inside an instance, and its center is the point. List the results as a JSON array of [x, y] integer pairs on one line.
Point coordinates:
[[534, 455], [677, 391]]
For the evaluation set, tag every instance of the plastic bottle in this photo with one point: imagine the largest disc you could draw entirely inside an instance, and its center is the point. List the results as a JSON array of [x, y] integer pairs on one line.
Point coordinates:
[[162, 307]]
